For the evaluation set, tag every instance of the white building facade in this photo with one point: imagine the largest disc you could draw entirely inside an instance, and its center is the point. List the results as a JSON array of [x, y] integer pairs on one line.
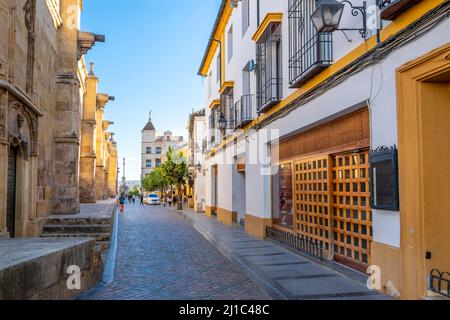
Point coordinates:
[[155, 146], [307, 131], [197, 148]]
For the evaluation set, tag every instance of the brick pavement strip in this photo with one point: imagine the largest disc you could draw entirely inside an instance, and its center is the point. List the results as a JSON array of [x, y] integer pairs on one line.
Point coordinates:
[[160, 256]]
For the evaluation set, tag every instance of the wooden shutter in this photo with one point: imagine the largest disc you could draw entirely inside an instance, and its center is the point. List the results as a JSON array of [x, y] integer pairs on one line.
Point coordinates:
[[346, 133]]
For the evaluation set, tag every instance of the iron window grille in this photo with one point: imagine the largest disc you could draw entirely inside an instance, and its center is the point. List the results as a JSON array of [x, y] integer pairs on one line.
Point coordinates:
[[243, 110], [227, 108], [310, 52], [268, 73], [212, 127], [215, 134]]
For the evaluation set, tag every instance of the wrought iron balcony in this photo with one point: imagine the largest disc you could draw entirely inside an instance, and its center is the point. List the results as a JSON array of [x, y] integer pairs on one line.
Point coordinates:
[[269, 94], [268, 72], [243, 110], [227, 109], [309, 52], [440, 282], [391, 9]]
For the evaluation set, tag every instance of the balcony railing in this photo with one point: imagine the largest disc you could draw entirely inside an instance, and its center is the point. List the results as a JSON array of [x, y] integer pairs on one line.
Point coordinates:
[[391, 9], [292, 241], [214, 133], [227, 109], [440, 282], [269, 94], [243, 110], [268, 62], [309, 52]]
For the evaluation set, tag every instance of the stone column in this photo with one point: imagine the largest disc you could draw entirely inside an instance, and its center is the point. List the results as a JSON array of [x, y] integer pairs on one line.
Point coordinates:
[[102, 100], [88, 156], [112, 170], [67, 127]]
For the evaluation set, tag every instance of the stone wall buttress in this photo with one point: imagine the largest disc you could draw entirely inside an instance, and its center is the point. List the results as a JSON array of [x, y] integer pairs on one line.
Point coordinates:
[[67, 131]]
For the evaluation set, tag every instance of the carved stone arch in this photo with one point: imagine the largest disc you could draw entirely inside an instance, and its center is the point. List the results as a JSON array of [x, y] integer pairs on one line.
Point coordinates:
[[22, 128], [32, 121], [20, 146]]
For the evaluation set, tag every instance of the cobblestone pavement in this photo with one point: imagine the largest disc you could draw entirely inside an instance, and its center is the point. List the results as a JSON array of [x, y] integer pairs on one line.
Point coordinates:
[[160, 256]]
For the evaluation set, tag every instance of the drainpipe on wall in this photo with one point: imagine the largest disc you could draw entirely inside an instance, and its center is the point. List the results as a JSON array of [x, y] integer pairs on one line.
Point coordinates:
[[258, 13]]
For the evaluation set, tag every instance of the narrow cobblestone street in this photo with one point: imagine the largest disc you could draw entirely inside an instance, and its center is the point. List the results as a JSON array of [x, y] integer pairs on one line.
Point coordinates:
[[160, 256]]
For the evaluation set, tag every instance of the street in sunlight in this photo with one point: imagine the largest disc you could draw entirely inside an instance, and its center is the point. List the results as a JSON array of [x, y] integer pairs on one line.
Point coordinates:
[[225, 158]]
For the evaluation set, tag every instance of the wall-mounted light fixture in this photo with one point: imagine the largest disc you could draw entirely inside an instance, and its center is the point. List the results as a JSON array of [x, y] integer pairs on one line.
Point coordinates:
[[328, 15], [222, 122]]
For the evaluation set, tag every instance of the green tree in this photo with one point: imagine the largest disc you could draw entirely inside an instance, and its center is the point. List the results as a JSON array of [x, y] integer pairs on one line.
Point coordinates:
[[175, 171], [135, 191], [155, 181]]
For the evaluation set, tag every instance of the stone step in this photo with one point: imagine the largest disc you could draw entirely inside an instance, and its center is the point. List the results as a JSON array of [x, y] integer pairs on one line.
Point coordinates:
[[78, 221], [99, 237], [74, 229]]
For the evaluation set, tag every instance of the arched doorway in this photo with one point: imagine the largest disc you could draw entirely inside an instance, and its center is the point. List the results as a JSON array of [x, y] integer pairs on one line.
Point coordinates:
[[11, 193]]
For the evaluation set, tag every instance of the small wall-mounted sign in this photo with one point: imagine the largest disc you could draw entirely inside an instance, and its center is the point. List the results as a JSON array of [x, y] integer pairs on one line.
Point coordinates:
[[384, 178]]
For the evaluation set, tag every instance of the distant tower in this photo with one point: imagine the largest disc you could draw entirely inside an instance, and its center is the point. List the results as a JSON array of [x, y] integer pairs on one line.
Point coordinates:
[[148, 146], [124, 186], [124, 179]]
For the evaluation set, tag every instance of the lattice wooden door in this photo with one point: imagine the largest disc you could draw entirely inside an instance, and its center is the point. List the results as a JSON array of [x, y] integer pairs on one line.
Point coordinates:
[[312, 200], [352, 216]]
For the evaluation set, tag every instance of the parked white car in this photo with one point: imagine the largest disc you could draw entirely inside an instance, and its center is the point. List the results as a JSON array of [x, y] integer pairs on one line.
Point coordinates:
[[152, 199]]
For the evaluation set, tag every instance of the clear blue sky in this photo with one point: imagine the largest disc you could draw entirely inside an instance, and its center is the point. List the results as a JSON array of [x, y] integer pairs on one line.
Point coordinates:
[[149, 62]]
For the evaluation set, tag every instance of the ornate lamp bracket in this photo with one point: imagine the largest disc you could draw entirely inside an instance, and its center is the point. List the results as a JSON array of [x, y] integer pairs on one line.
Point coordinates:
[[358, 10]]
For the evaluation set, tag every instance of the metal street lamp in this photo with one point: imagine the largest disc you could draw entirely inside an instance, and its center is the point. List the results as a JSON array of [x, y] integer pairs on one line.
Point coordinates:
[[327, 17]]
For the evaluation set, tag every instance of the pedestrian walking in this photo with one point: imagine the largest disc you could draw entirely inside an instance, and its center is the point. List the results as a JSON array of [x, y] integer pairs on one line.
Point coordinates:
[[169, 200], [122, 202], [142, 199]]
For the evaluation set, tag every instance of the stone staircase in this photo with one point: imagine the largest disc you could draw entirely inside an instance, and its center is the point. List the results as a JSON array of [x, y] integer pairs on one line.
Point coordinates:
[[94, 226]]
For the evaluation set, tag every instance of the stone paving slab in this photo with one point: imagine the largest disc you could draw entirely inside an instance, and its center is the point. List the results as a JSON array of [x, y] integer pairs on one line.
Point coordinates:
[[36, 268], [100, 210], [283, 274], [17, 251]]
